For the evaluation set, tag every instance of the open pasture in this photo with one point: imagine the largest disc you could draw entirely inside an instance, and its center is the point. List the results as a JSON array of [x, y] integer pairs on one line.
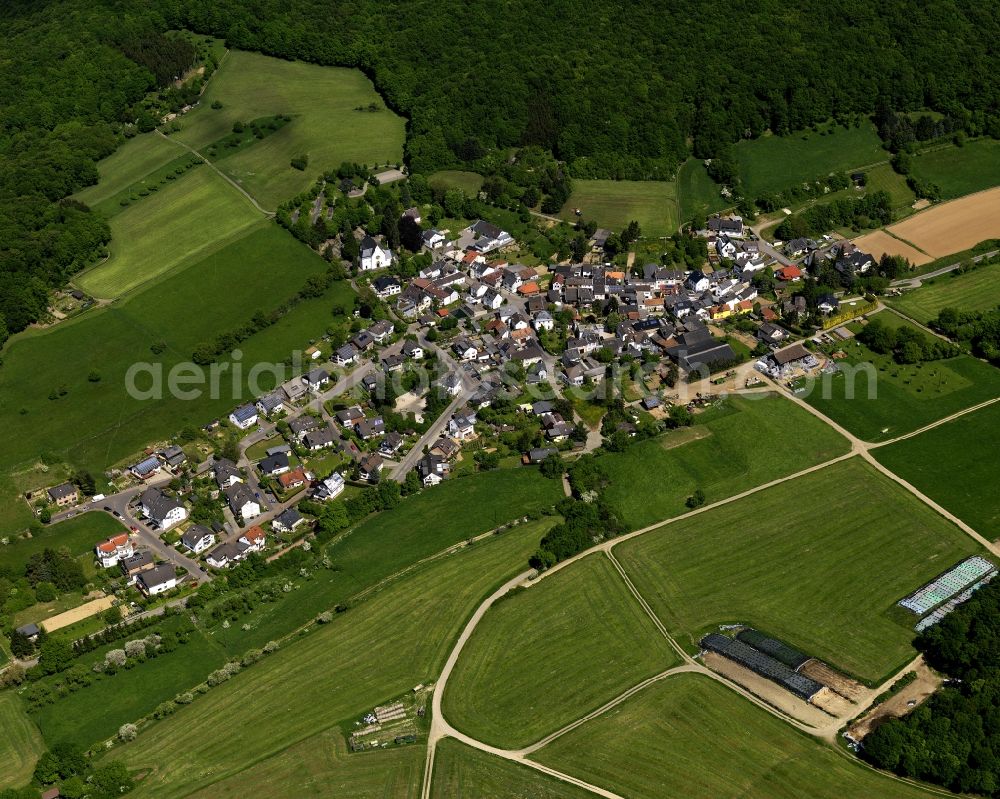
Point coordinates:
[[955, 464], [186, 220], [953, 226], [370, 654], [688, 736], [978, 290], [78, 535], [651, 480], [95, 423], [330, 123], [20, 744], [879, 243], [612, 204], [818, 562], [697, 193], [127, 166], [461, 772], [958, 171], [552, 653]]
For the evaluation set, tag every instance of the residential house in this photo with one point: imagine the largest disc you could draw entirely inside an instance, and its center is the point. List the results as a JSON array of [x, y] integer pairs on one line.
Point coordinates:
[[197, 538], [112, 550], [244, 416], [316, 440], [133, 566], [367, 429], [432, 239], [391, 444], [289, 481], [173, 456], [721, 225], [293, 389], [348, 416], [329, 487], [287, 521], [370, 467], [224, 555], [697, 281], [544, 321], [226, 473], [242, 501], [788, 273], [254, 539], [387, 286], [413, 350], [157, 580], [316, 379], [161, 509], [145, 469], [462, 426], [64, 494], [373, 255], [271, 403], [302, 425], [273, 465], [432, 469]]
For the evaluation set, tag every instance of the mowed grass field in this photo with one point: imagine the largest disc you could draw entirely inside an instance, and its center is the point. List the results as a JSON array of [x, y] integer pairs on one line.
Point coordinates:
[[961, 170], [613, 204], [758, 440], [20, 742], [469, 182], [884, 178], [955, 464], [690, 737], [321, 765], [190, 217], [326, 126], [549, 654], [978, 290], [127, 166], [461, 772], [818, 562], [772, 163], [697, 193], [78, 535], [370, 654], [95, 424], [891, 399]]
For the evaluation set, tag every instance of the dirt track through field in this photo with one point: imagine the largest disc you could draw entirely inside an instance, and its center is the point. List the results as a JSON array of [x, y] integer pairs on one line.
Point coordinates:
[[80, 613], [881, 243], [953, 226]]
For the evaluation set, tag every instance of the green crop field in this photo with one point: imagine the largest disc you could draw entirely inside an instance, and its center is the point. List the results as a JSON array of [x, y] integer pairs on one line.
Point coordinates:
[[978, 290], [78, 535], [613, 204], [128, 166], [690, 737], [95, 713], [461, 772], [761, 439], [772, 163], [96, 423], [818, 561], [191, 217], [323, 763], [697, 193], [955, 465], [469, 182], [877, 399], [368, 655], [20, 742], [420, 526], [326, 123], [552, 653], [961, 170]]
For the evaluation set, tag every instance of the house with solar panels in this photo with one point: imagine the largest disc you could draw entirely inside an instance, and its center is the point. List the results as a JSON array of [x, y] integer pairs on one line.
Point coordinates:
[[245, 416], [145, 469]]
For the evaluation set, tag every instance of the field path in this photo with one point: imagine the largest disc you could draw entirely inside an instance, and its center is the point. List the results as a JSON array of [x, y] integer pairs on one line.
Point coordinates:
[[220, 173]]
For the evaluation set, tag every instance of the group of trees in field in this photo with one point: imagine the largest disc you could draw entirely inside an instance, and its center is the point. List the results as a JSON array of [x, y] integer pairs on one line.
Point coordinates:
[[870, 211], [905, 344], [953, 739], [979, 329]]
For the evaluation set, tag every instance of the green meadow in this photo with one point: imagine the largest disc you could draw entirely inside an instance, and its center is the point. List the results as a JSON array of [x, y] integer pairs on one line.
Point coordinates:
[[961, 170], [613, 204]]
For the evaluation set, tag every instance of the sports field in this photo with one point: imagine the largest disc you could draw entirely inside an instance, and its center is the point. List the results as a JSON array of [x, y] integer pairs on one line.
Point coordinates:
[[953, 226], [904, 397], [373, 652], [552, 653], [127, 166], [651, 480], [326, 125], [879, 243], [955, 464], [772, 163], [818, 562], [690, 737], [958, 171], [78, 535], [978, 290], [469, 182], [612, 204], [20, 742], [461, 772], [94, 424], [191, 217], [323, 764], [697, 193]]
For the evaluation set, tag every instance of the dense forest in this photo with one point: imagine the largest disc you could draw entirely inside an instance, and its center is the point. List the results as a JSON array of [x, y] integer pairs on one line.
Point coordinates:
[[954, 738], [610, 89]]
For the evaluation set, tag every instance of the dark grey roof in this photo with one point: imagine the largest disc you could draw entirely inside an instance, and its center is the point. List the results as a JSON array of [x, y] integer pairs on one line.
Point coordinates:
[[63, 490], [762, 664], [289, 517], [194, 534], [274, 462], [779, 650], [157, 576], [137, 561], [158, 503]]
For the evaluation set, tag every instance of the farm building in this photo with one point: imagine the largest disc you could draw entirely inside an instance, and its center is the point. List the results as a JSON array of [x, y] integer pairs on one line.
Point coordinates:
[[763, 664], [779, 650], [947, 585]]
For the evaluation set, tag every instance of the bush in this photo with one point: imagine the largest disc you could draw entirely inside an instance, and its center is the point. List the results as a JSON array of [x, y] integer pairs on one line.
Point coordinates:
[[127, 732]]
